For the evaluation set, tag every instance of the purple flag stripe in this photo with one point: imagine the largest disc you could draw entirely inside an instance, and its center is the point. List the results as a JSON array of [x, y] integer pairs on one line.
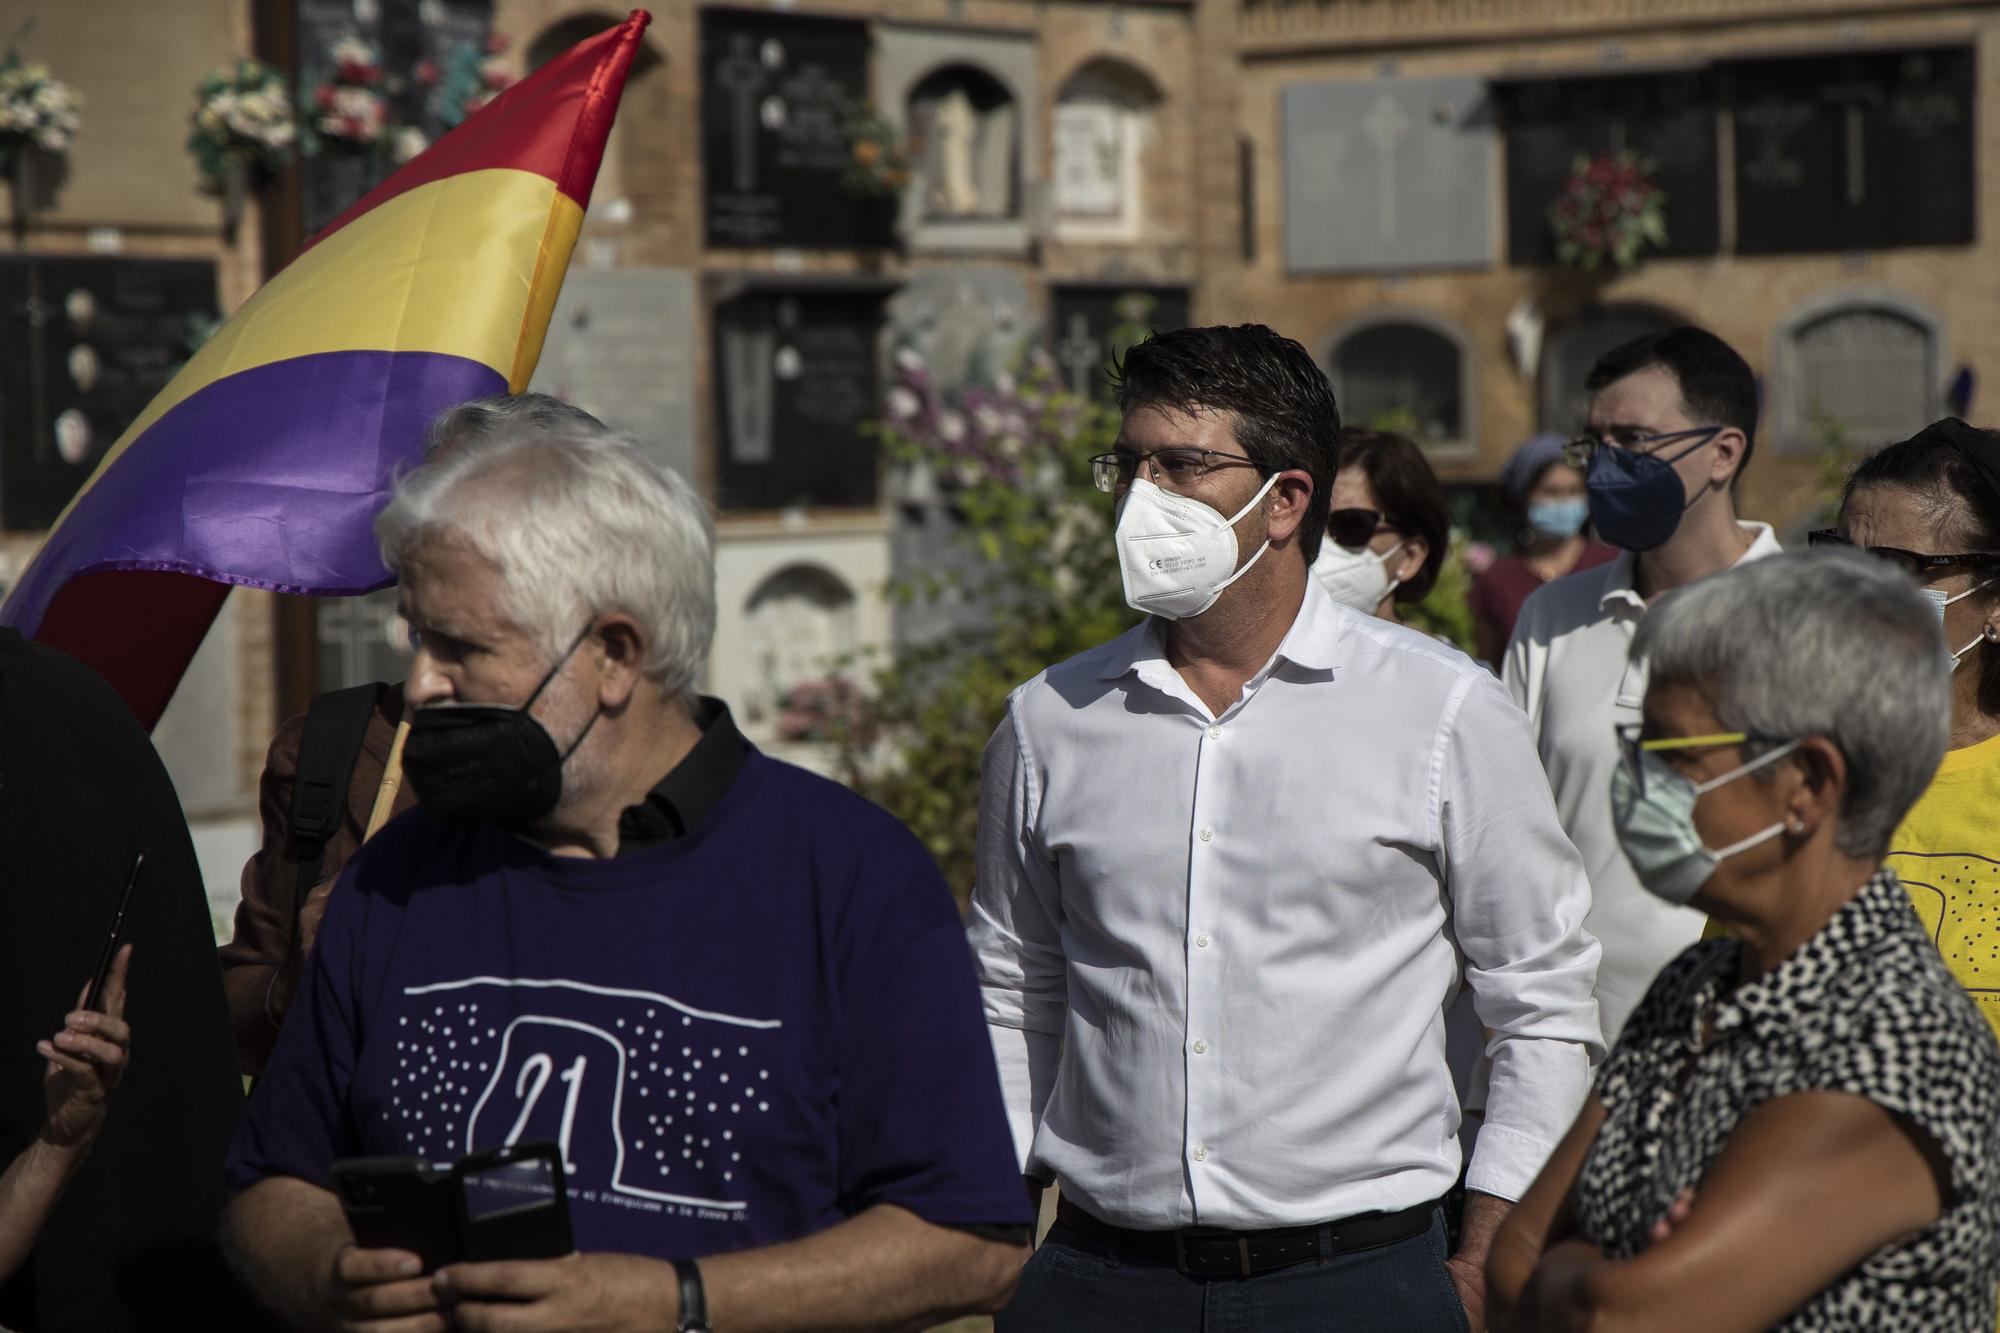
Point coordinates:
[[269, 478]]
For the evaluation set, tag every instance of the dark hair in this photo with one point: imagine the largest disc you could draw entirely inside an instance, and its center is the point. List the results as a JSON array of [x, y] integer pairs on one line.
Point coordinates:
[[1717, 388], [1409, 495], [1284, 408], [1961, 502]]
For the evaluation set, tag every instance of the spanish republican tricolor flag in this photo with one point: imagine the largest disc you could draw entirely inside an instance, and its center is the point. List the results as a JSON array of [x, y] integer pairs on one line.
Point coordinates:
[[265, 461]]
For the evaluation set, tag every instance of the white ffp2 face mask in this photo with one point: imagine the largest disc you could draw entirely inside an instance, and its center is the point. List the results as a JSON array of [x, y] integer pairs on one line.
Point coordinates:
[[1358, 578], [1176, 555]]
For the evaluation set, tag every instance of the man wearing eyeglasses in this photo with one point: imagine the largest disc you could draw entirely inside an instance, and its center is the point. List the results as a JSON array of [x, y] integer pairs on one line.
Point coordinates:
[[1672, 419], [1233, 866]]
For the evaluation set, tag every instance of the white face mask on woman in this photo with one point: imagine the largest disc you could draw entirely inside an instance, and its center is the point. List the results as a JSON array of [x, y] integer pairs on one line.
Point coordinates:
[[1358, 578], [1175, 554]]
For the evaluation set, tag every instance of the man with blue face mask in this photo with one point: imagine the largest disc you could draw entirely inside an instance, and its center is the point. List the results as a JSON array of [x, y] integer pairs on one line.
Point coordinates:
[[1671, 422], [1233, 867]]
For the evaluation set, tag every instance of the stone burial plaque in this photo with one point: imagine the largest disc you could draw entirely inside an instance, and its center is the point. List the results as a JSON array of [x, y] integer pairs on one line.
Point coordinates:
[[968, 324], [1667, 119], [1090, 325], [777, 93], [1387, 174], [620, 347], [1855, 152], [796, 381], [84, 345]]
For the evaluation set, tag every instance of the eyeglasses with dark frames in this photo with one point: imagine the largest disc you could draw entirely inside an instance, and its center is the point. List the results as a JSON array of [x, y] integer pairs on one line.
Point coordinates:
[[1916, 563], [1633, 745], [1357, 527], [1579, 451], [1178, 465]]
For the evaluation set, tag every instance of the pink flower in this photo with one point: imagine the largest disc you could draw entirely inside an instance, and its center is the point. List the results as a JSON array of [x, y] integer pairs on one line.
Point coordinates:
[[427, 73]]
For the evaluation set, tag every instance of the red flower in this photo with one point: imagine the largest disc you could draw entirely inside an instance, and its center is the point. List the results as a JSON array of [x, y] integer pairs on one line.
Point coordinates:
[[427, 73], [323, 98]]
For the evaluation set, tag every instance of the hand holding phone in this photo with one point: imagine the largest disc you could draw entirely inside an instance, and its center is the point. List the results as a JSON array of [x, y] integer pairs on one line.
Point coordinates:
[[86, 1060]]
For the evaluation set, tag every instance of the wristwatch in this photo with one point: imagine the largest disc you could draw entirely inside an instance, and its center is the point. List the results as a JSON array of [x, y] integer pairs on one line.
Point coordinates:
[[694, 1299]]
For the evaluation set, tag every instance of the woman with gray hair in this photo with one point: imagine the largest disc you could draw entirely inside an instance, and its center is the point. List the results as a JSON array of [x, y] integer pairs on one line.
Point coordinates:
[[1795, 1129]]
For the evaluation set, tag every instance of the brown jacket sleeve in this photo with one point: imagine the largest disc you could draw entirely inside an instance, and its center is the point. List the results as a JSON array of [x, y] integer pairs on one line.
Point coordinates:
[[260, 966]]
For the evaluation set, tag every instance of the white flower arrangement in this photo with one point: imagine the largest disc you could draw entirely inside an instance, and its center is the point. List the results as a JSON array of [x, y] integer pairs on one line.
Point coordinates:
[[37, 110], [244, 114]]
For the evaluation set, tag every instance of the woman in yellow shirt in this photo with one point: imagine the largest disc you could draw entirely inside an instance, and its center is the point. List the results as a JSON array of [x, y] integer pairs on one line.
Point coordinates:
[[1931, 504]]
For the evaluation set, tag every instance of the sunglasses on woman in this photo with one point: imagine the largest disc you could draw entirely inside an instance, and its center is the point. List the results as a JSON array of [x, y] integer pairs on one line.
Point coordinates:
[[1357, 527], [1914, 562]]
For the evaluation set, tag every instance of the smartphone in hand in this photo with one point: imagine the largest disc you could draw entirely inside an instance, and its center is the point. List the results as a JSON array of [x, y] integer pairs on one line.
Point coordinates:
[[94, 998]]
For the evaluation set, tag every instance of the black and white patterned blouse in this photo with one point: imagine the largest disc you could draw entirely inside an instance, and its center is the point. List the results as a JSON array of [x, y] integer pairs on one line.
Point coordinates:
[[1865, 1007]]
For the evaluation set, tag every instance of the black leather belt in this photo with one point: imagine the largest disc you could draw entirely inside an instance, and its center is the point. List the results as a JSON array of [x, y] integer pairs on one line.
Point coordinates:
[[1208, 1252]]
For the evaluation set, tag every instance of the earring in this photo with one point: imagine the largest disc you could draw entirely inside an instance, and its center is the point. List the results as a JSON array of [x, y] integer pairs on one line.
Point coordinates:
[[1795, 826]]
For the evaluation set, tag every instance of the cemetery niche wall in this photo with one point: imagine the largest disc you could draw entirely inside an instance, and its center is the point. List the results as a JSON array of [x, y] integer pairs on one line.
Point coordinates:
[[1089, 325], [1406, 371], [967, 100], [1572, 348], [1859, 151], [1104, 124], [85, 343], [1387, 174], [778, 95], [796, 378], [1859, 369], [1667, 119]]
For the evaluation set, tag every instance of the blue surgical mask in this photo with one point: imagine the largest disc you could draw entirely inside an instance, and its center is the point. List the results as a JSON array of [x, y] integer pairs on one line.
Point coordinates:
[[1655, 824], [1559, 518], [1636, 500]]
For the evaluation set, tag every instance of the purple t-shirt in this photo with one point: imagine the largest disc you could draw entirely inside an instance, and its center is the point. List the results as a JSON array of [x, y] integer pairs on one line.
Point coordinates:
[[738, 1038]]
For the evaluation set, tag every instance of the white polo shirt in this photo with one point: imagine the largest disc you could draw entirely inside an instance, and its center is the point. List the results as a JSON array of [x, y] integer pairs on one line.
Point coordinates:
[[1569, 666]]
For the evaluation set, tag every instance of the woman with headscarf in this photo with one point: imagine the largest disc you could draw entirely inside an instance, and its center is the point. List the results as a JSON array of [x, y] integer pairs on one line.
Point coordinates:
[[1548, 495], [1795, 1129], [1930, 506]]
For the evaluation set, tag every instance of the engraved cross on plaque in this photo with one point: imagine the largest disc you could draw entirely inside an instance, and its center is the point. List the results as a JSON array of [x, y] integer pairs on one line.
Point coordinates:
[[1386, 126], [742, 77], [1855, 97], [1082, 354]]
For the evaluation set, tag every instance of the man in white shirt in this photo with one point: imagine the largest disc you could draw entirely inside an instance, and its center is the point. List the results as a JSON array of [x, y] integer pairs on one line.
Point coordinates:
[[1233, 866], [1673, 416]]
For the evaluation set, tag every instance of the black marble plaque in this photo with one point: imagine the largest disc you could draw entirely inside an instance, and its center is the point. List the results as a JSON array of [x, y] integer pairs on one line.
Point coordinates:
[[85, 343], [1855, 152], [1090, 325], [777, 93], [796, 380], [1668, 119]]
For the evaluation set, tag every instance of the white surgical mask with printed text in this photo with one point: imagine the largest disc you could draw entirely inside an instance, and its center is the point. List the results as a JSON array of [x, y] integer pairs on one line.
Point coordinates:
[[1176, 555]]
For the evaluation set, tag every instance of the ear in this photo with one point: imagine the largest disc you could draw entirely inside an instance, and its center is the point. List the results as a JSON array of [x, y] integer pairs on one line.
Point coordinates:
[[1286, 504], [1416, 550], [623, 644], [1726, 457], [1822, 781]]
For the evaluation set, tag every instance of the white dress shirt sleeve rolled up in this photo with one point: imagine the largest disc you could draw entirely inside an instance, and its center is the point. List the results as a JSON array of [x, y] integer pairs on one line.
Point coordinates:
[[1518, 897]]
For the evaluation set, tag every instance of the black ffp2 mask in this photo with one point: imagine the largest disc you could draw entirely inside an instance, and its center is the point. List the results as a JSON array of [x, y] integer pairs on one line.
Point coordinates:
[[491, 761]]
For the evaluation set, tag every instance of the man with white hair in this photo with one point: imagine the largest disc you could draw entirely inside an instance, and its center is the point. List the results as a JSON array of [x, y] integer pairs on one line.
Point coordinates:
[[732, 993]]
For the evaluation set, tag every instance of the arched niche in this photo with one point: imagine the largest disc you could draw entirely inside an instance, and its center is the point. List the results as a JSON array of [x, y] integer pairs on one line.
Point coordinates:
[[1856, 369], [635, 134], [967, 128], [1572, 347], [1405, 370], [1103, 132], [800, 624]]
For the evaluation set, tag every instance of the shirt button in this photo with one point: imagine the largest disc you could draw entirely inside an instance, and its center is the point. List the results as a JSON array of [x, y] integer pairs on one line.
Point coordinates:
[[1207, 834], [1201, 940], [1201, 1048], [1201, 1154], [1215, 733]]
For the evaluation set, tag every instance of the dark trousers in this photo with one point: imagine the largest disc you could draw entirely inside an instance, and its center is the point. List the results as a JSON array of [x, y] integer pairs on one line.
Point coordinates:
[[1078, 1284]]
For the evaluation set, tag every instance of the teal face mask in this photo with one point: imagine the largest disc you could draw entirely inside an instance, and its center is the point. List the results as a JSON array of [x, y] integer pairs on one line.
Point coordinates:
[[1652, 809]]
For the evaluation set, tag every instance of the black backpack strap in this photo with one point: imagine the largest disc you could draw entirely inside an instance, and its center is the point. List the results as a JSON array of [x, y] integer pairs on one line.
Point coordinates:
[[335, 725]]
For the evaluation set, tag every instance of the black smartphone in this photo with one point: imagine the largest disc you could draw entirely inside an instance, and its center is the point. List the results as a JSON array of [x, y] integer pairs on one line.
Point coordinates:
[[508, 1203], [113, 937], [399, 1203]]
